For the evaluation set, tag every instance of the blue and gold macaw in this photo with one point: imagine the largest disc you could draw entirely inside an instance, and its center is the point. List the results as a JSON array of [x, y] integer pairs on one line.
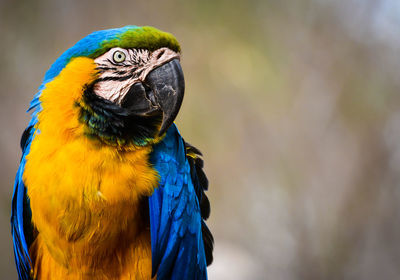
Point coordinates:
[[107, 188]]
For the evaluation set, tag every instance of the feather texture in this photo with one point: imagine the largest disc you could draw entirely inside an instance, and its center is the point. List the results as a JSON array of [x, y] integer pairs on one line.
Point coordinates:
[[175, 219], [21, 227], [200, 183]]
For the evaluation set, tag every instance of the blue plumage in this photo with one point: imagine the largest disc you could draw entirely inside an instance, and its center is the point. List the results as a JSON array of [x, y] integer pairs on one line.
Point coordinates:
[[85, 47], [175, 220]]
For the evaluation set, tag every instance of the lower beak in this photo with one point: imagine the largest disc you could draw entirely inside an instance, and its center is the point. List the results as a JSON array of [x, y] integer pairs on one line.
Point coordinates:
[[162, 90]]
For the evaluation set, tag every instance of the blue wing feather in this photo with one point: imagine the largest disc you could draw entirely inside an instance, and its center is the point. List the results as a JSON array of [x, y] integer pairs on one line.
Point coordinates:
[[175, 219], [21, 228]]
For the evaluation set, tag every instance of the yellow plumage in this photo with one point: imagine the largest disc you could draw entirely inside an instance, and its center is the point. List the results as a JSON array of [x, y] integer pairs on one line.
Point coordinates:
[[87, 198]]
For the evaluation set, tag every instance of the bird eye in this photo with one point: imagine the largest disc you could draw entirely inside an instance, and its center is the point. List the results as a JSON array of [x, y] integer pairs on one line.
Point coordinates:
[[119, 56]]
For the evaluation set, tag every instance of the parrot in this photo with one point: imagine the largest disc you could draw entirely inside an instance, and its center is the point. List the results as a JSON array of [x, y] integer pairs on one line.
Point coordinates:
[[107, 188]]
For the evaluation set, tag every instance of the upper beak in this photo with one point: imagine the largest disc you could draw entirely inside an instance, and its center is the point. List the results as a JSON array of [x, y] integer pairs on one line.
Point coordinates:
[[168, 85], [162, 90]]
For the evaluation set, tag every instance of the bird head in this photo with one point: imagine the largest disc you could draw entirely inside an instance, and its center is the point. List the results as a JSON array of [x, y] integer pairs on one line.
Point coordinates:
[[120, 86]]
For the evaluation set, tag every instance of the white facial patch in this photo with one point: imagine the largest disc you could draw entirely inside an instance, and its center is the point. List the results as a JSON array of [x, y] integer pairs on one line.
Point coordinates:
[[116, 78]]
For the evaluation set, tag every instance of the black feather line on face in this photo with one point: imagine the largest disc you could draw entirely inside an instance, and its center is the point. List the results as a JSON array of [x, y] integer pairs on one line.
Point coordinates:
[[115, 125], [120, 72], [106, 68], [118, 78]]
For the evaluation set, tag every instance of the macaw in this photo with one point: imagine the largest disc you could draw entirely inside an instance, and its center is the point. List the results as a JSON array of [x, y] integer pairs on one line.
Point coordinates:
[[107, 188]]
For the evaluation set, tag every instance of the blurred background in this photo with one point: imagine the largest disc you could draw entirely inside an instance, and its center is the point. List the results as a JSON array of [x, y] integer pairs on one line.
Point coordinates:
[[295, 105]]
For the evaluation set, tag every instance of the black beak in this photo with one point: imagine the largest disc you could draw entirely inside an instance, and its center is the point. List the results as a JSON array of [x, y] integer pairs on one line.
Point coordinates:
[[162, 90], [168, 85]]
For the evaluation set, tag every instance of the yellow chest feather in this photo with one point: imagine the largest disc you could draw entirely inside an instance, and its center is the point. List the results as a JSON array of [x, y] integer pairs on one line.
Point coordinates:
[[88, 199]]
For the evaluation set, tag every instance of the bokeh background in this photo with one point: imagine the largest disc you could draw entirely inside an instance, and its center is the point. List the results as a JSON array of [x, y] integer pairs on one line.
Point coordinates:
[[295, 105]]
